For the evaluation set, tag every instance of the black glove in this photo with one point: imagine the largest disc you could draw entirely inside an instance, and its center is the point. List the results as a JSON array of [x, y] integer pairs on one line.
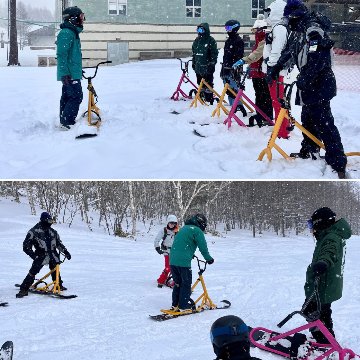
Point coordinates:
[[273, 73], [67, 254], [66, 79], [159, 250], [211, 261], [319, 268]]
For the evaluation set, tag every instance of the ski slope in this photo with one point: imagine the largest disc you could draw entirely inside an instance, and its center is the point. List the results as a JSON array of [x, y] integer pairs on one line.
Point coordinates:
[[115, 280], [139, 137]]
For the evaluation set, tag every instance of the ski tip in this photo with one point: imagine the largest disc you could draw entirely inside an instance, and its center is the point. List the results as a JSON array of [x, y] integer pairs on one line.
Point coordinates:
[[85, 136]]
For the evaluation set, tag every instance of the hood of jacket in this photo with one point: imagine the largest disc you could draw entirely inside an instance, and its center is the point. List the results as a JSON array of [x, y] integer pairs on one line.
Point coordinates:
[[68, 25], [192, 221], [206, 28], [277, 11], [340, 228]]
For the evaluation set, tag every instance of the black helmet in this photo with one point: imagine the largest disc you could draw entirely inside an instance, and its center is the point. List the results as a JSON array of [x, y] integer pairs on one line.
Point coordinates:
[[322, 218], [230, 335], [74, 15], [45, 217], [201, 220], [232, 26]]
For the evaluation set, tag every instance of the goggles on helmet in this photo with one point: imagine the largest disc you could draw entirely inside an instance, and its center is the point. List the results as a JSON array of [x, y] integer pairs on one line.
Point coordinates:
[[200, 30], [229, 28], [228, 330]]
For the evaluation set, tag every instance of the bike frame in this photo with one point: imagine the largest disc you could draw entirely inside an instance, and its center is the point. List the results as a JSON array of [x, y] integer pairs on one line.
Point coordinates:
[[183, 79]]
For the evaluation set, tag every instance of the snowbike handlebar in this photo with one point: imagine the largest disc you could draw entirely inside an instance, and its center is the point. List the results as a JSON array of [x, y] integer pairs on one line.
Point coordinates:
[[184, 65], [239, 76], [199, 262], [310, 317], [96, 69], [285, 102]]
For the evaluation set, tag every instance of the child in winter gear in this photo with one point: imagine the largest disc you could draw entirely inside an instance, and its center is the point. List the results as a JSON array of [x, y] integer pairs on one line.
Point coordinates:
[[69, 65], [230, 339], [163, 243], [274, 44], [311, 50], [41, 244], [233, 51], [185, 244], [255, 59], [328, 264], [204, 58]]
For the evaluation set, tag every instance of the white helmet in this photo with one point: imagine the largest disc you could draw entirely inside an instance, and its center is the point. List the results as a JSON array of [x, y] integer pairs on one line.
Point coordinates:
[[171, 218]]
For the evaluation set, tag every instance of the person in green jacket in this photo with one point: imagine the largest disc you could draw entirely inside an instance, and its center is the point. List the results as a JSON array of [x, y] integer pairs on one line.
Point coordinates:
[[186, 241], [327, 265], [69, 65], [204, 58]]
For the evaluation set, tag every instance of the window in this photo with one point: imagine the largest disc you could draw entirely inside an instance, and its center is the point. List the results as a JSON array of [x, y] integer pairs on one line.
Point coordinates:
[[117, 7], [193, 8], [257, 7]]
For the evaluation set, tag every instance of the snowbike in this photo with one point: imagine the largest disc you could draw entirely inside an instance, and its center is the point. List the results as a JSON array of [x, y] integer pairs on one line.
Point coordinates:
[[6, 351], [52, 288], [93, 112], [294, 344], [184, 65], [203, 302]]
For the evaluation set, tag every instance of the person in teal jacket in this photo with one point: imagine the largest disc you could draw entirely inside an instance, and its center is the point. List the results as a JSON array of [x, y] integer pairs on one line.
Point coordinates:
[[327, 265], [204, 58], [187, 240], [69, 65]]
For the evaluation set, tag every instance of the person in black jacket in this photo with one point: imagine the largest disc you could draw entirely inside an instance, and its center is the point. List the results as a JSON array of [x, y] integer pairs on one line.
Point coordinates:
[[42, 244], [310, 47], [233, 51]]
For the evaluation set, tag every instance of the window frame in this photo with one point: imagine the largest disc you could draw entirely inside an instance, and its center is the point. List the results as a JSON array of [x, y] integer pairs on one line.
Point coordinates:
[[258, 9], [194, 10], [118, 4]]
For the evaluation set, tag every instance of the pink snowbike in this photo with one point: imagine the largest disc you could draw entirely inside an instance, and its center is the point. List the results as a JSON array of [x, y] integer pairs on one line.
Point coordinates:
[[183, 80]]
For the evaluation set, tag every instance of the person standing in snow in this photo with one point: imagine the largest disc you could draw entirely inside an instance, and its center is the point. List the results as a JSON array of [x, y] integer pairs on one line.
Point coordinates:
[[233, 51], [275, 42], [204, 58], [42, 244], [230, 339], [188, 239], [69, 65], [327, 265], [255, 60], [163, 243], [310, 47]]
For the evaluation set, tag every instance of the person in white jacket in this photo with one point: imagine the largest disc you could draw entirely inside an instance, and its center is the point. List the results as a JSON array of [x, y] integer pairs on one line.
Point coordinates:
[[163, 243], [274, 44]]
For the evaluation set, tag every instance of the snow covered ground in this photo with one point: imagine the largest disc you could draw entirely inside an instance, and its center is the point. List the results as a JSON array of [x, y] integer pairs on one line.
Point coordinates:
[[140, 138], [115, 280]]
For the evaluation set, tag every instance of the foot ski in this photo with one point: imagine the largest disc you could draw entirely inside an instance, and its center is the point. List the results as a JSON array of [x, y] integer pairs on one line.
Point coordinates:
[[49, 293], [4, 304], [175, 112], [197, 133], [174, 314], [6, 351]]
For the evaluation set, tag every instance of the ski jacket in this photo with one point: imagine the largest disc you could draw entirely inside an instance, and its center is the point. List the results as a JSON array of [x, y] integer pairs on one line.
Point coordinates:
[[331, 248], [205, 53], [68, 52], [277, 37], [233, 51], [165, 238], [43, 243], [188, 239], [311, 51], [255, 58]]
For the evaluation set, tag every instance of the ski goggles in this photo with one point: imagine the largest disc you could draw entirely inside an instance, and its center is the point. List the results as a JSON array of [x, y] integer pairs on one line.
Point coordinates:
[[228, 330], [229, 28], [200, 30], [172, 223], [310, 224]]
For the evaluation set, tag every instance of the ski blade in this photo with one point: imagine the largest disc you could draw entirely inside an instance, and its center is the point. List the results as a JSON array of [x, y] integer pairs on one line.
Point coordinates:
[[4, 304], [39, 292], [6, 351], [195, 132], [175, 112]]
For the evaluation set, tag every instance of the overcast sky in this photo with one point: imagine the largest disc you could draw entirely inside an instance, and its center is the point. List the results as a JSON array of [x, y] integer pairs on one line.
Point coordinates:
[[50, 4]]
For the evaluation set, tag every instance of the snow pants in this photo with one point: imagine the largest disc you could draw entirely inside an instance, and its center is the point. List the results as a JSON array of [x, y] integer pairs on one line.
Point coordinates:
[[164, 275], [325, 317], [36, 266], [262, 96], [182, 277], [318, 119], [283, 132], [233, 85], [70, 101], [209, 78]]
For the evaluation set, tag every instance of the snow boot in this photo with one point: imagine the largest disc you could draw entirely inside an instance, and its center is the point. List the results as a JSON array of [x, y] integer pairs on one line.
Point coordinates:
[[62, 288], [241, 108], [305, 154], [341, 174], [22, 293]]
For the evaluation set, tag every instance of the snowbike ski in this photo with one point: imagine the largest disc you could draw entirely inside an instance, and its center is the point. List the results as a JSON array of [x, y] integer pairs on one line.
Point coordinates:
[[4, 304], [6, 351], [197, 133], [49, 293], [175, 314]]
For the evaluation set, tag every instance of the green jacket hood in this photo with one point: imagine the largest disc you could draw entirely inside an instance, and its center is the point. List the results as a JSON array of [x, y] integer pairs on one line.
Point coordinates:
[[68, 25], [340, 228], [206, 28]]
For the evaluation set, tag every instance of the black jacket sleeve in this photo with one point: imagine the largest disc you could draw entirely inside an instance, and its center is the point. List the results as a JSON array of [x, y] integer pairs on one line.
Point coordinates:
[[28, 245]]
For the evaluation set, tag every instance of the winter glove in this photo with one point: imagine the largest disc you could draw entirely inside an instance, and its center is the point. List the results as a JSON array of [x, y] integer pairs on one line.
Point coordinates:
[[238, 63], [273, 73], [67, 254], [66, 79], [211, 261], [159, 250], [319, 268]]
